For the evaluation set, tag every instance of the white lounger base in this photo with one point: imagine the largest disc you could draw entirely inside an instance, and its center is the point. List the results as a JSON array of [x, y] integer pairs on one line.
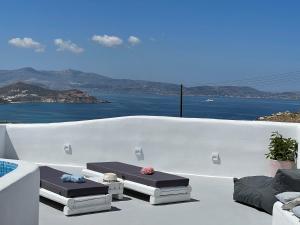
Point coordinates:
[[157, 195], [283, 217], [169, 199], [79, 205], [69, 212]]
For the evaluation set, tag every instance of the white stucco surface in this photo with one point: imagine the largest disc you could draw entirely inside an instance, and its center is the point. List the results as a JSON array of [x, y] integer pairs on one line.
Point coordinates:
[[283, 217], [181, 145], [19, 195], [2, 140]]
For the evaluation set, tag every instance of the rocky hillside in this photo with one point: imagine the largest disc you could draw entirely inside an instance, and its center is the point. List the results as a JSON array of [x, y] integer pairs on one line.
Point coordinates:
[[293, 117], [23, 92]]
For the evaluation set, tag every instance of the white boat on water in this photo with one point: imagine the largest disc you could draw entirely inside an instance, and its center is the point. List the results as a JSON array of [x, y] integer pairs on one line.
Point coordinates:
[[209, 100]]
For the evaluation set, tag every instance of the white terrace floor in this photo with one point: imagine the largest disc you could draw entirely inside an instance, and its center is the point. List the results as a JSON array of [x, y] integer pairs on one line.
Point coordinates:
[[212, 204]]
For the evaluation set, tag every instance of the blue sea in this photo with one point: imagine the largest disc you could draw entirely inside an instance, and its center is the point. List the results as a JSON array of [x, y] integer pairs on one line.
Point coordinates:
[[125, 105]]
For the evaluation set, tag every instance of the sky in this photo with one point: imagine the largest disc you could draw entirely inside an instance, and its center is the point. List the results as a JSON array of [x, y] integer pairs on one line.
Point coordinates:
[[190, 42]]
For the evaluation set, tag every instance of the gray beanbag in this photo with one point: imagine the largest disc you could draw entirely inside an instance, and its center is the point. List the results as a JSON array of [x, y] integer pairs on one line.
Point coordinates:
[[256, 191], [260, 191]]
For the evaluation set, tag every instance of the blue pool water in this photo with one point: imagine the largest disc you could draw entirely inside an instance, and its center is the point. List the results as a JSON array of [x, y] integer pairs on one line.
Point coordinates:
[[125, 105], [6, 167]]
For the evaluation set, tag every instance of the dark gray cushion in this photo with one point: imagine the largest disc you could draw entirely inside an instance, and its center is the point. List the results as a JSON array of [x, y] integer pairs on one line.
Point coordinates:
[[51, 181], [287, 180], [256, 191], [133, 173]]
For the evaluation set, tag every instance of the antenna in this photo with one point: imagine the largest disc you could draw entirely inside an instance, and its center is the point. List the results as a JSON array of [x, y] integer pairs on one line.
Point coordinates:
[[181, 103]]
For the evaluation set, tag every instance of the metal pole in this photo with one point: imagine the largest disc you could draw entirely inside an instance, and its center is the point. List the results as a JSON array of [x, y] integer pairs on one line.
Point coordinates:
[[181, 103]]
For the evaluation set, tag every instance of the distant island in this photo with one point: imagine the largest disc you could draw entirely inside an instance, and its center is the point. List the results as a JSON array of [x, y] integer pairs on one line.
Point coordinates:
[[21, 92], [93, 83]]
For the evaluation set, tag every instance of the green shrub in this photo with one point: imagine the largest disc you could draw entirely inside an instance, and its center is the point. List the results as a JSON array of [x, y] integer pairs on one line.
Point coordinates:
[[283, 149]]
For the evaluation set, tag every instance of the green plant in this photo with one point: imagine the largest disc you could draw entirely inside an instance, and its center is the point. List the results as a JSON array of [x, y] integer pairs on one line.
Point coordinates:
[[283, 149]]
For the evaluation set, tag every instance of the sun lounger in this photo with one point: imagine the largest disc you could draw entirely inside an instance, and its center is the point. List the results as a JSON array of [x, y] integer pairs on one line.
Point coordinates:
[[77, 198], [162, 187]]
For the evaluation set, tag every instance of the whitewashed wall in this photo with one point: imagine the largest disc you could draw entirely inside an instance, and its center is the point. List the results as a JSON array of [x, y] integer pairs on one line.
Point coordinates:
[[19, 195], [169, 144], [2, 140]]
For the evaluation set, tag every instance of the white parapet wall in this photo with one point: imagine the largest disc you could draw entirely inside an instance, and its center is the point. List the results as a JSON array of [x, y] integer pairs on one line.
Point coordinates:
[[181, 145], [19, 195], [2, 140]]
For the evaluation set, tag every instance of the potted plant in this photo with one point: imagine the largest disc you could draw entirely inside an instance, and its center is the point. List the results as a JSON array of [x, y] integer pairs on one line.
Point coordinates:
[[282, 152]]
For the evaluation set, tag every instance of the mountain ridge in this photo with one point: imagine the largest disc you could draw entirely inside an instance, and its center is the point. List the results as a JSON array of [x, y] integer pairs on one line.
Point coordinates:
[[93, 82]]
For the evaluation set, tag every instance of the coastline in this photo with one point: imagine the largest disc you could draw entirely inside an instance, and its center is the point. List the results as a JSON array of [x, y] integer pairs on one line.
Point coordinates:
[[128, 105]]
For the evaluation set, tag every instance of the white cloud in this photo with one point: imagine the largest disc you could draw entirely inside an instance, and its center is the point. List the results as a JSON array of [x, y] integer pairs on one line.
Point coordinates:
[[107, 41], [27, 43], [134, 40], [67, 46]]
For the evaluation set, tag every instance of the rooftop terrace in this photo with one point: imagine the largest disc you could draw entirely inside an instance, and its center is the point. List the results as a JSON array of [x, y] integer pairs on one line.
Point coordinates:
[[176, 145], [211, 204]]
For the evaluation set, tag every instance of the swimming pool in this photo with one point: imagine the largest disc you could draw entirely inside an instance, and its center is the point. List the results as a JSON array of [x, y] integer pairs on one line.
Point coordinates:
[[6, 167]]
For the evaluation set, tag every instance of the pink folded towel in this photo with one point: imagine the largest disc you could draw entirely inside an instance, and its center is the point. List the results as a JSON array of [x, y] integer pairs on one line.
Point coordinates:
[[147, 170]]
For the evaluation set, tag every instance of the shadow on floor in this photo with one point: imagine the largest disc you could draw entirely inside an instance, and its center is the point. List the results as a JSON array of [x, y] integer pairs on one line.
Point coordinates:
[[51, 203], [175, 203], [137, 195], [122, 200], [251, 206]]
